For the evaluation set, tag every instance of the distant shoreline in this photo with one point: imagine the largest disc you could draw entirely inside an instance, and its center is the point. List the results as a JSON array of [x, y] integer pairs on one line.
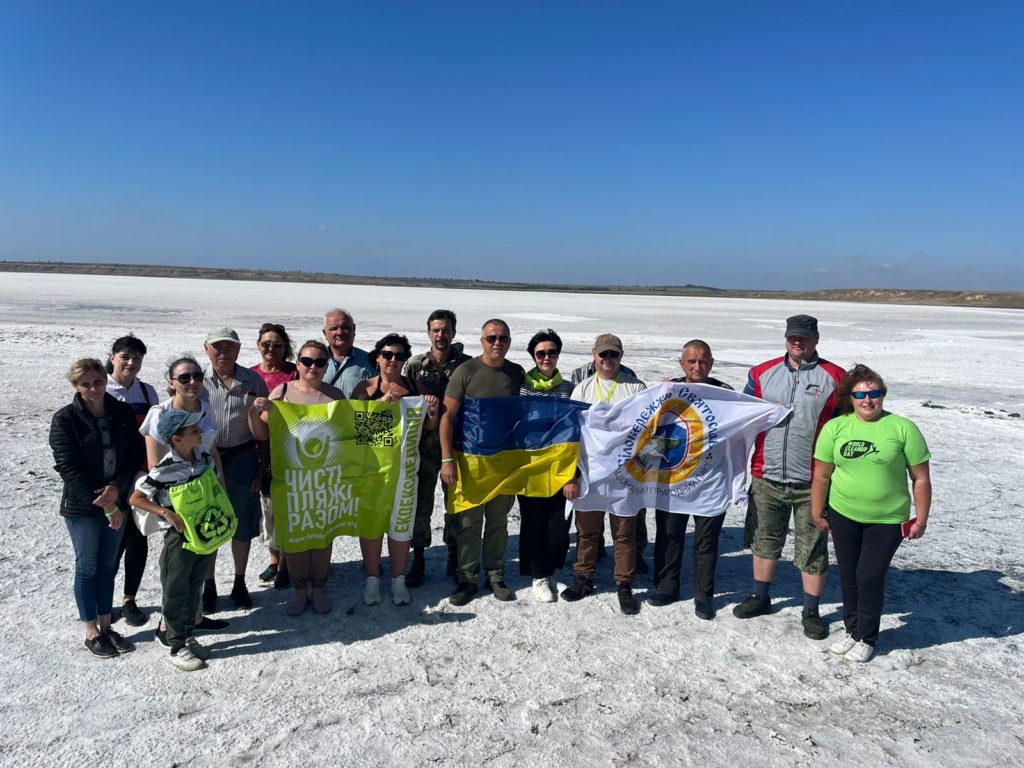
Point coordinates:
[[987, 299]]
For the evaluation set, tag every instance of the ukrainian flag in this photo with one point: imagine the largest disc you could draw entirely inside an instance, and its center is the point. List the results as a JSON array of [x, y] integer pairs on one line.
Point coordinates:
[[513, 445]]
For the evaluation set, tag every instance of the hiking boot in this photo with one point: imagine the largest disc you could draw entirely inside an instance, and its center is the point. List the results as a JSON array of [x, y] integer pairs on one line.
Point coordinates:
[[185, 660], [160, 635], [543, 590], [463, 593], [418, 569], [281, 580], [814, 627], [121, 645], [627, 603], [843, 645], [206, 624], [501, 591], [660, 599], [860, 652], [210, 596], [371, 592], [100, 646], [703, 610], [578, 589], [269, 573], [399, 593], [240, 595], [198, 649], [131, 614], [754, 605]]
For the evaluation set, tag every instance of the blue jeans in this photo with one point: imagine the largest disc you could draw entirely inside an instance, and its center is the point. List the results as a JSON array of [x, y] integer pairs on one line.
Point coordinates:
[[95, 544]]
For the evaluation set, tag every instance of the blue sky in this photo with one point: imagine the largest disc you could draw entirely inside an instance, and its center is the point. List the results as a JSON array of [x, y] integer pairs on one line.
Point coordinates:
[[739, 144]]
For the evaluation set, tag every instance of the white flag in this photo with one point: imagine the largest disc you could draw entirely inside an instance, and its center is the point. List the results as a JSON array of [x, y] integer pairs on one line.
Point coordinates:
[[678, 447]]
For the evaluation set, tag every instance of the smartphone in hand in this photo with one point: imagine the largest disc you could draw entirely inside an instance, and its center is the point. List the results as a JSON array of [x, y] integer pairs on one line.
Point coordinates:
[[905, 527]]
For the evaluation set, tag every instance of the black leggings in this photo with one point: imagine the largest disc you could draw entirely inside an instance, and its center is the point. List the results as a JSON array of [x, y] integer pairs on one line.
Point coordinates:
[[135, 549], [863, 552]]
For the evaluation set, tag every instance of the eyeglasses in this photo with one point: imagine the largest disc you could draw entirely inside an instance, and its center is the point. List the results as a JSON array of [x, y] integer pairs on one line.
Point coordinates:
[[501, 339], [271, 344], [309, 362], [874, 394], [188, 378], [399, 356], [540, 354], [610, 354]]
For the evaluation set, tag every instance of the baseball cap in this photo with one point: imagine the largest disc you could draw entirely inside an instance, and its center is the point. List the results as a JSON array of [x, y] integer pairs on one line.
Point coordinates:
[[222, 334], [801, 325], [607, 341], [172, 421]]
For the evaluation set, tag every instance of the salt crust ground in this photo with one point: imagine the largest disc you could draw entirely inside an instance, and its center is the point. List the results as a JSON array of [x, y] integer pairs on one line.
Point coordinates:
[[525, 683]]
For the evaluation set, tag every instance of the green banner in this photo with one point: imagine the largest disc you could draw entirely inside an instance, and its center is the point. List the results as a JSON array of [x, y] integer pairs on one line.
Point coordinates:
[[347, 468]]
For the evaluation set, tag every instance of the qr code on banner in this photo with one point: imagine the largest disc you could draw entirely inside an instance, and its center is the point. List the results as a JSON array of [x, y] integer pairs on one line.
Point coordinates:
[[375, 429]]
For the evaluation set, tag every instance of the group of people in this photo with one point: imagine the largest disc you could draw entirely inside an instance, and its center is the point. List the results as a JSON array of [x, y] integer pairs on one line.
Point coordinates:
[[836, 466]]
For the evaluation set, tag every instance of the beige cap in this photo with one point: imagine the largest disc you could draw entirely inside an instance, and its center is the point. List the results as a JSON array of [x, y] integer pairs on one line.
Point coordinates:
[[607, 341]]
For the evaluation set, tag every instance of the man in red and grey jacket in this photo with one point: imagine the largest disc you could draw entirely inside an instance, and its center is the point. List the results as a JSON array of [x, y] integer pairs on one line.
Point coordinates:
[[781, 469]]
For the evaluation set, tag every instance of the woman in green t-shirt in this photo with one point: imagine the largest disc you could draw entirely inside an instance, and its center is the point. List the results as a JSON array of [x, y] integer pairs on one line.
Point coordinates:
[[859, 494]]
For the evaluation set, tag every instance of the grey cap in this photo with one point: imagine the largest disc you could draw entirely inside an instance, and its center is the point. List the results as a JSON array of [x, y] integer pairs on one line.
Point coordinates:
[[607, 341], [173, 421], [801, 325], [222, 334]]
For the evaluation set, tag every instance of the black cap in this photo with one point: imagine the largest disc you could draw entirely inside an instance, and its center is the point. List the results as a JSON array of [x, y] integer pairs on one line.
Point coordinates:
[[801, 325]]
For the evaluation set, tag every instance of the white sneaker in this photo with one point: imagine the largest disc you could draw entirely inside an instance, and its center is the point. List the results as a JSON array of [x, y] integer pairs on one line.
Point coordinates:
[[543, 591], [198, 649], [860, 652], [841, 646], [399, 592], [371, 594], [185, 660]]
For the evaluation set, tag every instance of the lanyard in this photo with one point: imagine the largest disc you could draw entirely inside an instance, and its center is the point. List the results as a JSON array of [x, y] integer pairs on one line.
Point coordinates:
[[600, 395]]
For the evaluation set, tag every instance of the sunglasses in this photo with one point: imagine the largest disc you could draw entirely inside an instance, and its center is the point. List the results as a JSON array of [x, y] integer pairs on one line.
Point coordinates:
[[874, 394], [609, 354], [540, 354], [271, 344], [188, 378], [310, 362], [399, 356], [493, 339]]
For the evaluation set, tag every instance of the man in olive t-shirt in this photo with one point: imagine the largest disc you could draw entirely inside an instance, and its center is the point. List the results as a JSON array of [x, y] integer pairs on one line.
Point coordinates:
[[489, 375]]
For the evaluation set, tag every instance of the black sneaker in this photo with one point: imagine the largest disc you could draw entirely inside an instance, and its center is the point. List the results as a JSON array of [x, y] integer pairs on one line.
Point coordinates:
[[206, 624], [210, 597], [703, 610], [160, 635], [578, 589], [463, 593], [281, 580], [753, 606], [100, 646], [501, 591], [660, 599], [418, 569], [269, 573], [240, 596], [131, 614], [121, 645], [627, 603], [814, 627]]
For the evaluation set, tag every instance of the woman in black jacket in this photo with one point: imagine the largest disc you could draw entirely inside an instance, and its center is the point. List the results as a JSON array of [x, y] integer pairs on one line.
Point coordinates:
[[97, 452]]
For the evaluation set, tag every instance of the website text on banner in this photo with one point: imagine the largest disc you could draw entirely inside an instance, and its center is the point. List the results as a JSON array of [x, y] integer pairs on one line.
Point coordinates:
[[525, 445], [678, 447], [347, 468]]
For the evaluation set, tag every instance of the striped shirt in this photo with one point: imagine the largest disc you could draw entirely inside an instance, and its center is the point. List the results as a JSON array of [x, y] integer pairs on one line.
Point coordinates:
[[230, 407]]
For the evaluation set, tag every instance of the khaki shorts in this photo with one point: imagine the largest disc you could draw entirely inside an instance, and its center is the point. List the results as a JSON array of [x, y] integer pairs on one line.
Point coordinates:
[[768, 511], [267, 523]]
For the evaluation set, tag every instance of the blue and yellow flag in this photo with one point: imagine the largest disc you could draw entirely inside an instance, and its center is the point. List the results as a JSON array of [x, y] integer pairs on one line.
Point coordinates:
[[513, 445]]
